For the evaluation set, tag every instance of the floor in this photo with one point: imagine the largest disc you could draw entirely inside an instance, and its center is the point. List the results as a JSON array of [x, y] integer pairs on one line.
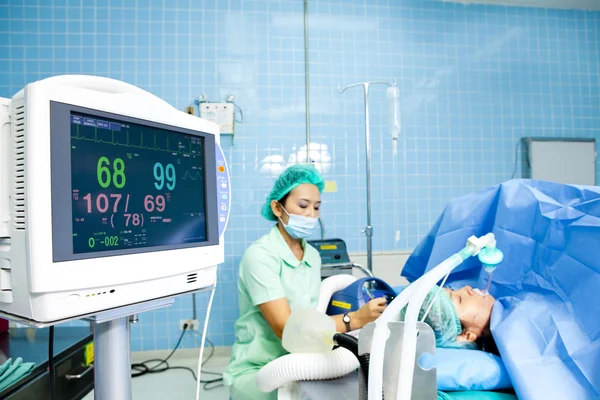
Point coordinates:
[[177, 384]]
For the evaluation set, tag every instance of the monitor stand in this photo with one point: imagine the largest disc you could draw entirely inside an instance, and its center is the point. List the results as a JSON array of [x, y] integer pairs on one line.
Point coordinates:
[[112, 350]]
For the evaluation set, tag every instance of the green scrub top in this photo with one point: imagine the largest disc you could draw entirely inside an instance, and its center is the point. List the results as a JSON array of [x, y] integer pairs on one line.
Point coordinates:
[[268, 271]]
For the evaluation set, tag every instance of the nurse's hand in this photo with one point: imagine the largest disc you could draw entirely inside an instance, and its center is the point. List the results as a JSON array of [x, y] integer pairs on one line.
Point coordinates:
[[370, 311]]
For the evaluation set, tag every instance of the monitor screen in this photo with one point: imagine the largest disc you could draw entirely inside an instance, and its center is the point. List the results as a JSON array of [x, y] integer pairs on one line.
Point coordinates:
[[134, 186]]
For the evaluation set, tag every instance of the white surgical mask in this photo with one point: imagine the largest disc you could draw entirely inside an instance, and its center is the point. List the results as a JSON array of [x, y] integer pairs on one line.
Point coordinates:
[[298, 226]]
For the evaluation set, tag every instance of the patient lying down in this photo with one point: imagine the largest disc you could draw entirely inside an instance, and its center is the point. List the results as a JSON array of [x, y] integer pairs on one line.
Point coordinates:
[[458, 317]]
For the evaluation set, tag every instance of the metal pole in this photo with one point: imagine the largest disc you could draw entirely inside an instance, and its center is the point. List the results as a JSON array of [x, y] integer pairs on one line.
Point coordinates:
[[112, 361], [306, 83], [369, 229]]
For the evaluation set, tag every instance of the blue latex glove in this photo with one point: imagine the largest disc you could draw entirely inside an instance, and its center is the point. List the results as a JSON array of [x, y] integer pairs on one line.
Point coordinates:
[[11, 372]]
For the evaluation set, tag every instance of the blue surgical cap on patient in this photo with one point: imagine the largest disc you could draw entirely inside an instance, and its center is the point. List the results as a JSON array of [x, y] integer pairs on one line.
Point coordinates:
[[443, 319], [290, 179]]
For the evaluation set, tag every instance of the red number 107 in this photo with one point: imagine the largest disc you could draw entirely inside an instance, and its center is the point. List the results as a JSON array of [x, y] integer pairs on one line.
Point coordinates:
[[102, 202]]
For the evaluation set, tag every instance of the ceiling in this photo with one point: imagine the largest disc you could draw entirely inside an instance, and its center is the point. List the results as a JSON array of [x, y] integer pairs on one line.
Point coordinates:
[[565, 4]]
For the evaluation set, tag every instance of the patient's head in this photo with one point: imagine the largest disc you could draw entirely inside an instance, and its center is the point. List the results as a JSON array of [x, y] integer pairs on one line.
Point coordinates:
[[457, 317], [474, 312]]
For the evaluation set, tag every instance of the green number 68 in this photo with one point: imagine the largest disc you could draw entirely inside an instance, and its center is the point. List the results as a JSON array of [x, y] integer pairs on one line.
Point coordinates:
[[104, 174]]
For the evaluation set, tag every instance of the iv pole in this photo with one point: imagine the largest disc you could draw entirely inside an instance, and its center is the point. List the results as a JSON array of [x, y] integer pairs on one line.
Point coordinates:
[[368, 231]]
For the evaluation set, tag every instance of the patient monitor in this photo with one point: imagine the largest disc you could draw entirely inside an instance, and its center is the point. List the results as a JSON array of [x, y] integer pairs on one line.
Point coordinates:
[[109, 197]]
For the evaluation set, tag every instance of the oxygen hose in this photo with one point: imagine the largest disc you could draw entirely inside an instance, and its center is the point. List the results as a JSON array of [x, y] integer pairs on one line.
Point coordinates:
[[350, 343]]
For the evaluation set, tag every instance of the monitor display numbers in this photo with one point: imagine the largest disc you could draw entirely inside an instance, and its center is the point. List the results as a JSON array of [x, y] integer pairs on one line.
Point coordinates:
[[134, 186]]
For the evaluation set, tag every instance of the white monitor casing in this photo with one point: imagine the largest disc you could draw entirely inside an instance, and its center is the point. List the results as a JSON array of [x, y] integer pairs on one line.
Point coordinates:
[[32, 286]]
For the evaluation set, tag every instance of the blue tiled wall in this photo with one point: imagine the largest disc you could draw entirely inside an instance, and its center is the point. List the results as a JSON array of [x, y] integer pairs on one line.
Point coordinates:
[[473, 80]]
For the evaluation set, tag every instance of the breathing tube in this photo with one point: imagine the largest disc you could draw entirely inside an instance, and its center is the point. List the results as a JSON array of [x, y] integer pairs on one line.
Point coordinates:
[[350, 343]]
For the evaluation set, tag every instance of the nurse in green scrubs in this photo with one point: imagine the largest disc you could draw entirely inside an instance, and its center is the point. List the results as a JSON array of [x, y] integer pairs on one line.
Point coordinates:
[[278, 272]]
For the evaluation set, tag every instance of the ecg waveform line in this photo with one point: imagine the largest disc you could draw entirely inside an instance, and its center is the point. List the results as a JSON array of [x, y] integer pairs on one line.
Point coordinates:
[[194, 177], [141, 146]]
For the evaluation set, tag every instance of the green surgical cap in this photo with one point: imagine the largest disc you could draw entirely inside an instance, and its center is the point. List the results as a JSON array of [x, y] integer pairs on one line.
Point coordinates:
[[290, 179], [443, 319]]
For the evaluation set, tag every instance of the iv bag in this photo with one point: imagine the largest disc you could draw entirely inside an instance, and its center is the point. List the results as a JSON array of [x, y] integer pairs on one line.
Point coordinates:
[[393, 100]]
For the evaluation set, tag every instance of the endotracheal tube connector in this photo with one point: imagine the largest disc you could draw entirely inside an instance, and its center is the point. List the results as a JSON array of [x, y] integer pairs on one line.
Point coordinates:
[[490, 257], [486, 291], [393, 101]]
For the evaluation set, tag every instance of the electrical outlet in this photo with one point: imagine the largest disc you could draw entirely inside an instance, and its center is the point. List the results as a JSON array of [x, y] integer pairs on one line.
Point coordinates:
[[192, 324], [221, 114]]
